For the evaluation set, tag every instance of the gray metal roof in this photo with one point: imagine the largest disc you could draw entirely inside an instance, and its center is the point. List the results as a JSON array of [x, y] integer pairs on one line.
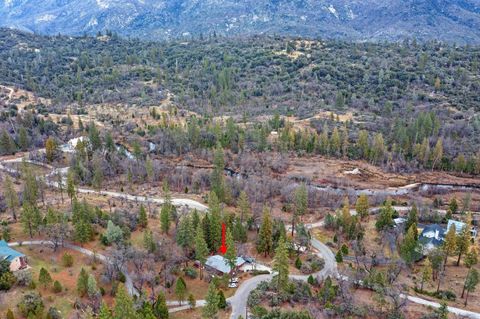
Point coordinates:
[[219, 263]]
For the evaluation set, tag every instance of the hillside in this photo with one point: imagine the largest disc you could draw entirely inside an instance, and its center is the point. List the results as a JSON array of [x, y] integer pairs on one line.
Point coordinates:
[[411, 93], [370, 20]]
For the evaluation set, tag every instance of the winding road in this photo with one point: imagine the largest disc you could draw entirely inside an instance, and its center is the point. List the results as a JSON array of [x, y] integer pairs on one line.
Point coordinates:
[[239, 300]]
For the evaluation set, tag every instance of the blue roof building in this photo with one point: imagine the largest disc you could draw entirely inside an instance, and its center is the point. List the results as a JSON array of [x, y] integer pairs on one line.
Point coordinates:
[[17, 259]]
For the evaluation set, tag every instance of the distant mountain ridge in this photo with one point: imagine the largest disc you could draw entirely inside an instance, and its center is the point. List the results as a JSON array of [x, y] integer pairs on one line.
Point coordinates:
[[361, 20]]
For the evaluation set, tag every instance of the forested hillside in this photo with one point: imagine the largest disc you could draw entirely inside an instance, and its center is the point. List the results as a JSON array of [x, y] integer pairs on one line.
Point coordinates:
[[413, 94]]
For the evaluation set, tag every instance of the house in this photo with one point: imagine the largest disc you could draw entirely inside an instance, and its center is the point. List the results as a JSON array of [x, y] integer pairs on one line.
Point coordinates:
[[17, 260], [459, 227], [431, 237], [218, 264]]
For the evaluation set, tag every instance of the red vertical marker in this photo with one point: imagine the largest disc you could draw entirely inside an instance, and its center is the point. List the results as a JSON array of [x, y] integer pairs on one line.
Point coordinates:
[[223, 248]]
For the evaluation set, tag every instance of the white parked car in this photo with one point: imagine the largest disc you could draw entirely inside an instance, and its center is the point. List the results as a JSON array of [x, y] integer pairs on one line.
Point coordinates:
[[234, 280], [232, 285]]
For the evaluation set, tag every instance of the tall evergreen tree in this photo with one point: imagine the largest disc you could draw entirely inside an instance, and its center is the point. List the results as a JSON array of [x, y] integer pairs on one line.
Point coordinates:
[[450, 244], [160, 309], [201, 249], [362, 206], [280, 265], [165, 213], [265, 242], [181, 290], [408, 248], [31, 218], [142, 217], [215, 222], [231, 254], [124, 308], [464, 239], [210, 309], [217, 180]]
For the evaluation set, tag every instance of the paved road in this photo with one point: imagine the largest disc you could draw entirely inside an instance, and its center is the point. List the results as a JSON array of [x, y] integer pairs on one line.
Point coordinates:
[[239, 300]]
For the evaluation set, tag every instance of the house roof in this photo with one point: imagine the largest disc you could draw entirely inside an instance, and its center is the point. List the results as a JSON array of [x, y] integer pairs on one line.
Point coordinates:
[[458, 225], [8, 253], [430, 241], [433, 228], [219, 263]]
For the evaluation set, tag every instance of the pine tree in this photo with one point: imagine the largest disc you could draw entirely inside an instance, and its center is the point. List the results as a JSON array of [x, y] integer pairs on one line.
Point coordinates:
[[11, 196], [44, 277], [300, 204], [30, 186], [450, 244], [105, 312], [50, 149], [160, 309], [464, 239], [265, 242], [181, 290], [215, 222], [166, 209], [92, 289], [362, 144], [71, 186], [222, 302], [412, 220], [82, 283], [94, 137], [335, 142], [97, 179], [231, 254], [210, 309], [124, 308], [10, 314], [201, 249], [31, 218], [217, 179], [142, 217], [471, 282], [7, 147], [185, 233], [148, 241], [408, 248], [243, 205], [426, 273], [362, 206], [385, 218], [453, 205], [471, 259], [280, 265], [23, 139], [147, 311]]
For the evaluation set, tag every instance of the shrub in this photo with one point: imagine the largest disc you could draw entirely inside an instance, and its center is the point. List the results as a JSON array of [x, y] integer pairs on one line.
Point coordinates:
[[298, 263], [191, 273], [344, 250], [67, 260], [24, 277], [53, 313], [7, 280], [260, 272], [31, 304], [57, 287]]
